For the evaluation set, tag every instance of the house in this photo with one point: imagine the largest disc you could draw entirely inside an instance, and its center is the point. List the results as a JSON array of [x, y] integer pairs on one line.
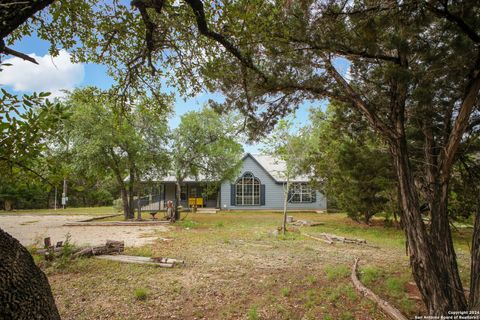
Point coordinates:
[[259, 186]]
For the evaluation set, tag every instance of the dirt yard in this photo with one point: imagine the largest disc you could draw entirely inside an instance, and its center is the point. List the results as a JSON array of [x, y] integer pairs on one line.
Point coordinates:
[[236, 268], [31, 229]]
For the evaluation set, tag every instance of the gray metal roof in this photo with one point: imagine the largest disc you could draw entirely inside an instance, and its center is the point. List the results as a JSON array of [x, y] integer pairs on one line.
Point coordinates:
[[273, 166], [276, 167]]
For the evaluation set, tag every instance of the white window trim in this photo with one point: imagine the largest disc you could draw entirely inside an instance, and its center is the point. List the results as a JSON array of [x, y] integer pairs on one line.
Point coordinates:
[[303, 191], [255, 196]]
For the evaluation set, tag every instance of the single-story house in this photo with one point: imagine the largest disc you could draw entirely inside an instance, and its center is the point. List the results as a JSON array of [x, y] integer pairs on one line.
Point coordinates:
[[259, 186]]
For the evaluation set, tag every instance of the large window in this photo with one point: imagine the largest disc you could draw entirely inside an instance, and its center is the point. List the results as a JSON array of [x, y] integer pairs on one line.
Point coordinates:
[[301, 192], [247, 191]]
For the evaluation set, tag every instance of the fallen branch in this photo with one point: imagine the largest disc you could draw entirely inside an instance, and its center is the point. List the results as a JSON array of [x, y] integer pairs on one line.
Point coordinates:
[[111, 247], [301, 223], [384, 305], [319, 239], [159, 262], [343, 239]]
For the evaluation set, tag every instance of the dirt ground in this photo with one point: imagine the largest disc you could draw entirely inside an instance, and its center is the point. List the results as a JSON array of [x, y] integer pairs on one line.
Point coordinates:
[[31, 229], [237, 268]]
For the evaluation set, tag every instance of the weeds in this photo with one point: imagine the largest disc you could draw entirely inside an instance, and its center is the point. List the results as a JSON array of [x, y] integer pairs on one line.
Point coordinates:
[[140, 294]]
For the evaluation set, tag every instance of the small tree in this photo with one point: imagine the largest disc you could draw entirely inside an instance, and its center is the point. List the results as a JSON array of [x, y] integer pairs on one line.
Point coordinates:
[[286, 147], [108, 139], [353, 163], [204, 145]]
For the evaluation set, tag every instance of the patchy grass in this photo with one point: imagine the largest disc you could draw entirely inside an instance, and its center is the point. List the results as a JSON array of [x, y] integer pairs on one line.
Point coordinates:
[[236, 269], [336, 272]]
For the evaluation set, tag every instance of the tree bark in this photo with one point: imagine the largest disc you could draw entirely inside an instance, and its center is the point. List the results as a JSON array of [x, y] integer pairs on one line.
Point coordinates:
[[432, 258], [131, 194], [474, 298], [177, 198], [24, 289]]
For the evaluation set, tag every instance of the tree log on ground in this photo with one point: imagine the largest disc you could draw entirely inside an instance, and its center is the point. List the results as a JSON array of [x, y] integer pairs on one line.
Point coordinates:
[[111, 247], [24, 289], [384, 305]]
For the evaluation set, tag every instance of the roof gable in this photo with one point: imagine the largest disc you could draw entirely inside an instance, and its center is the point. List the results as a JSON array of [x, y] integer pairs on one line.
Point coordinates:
[[274, 167]]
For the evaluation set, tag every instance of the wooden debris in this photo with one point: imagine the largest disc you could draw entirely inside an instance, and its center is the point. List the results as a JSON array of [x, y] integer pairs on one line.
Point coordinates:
[[301, 223], [159, 262], [319, 239], [102, 217], [332, 238], [343, 239], [47, 242], [384, 305], [111, 247]]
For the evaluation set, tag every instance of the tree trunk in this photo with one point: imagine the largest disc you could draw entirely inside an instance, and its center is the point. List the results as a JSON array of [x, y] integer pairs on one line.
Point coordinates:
[[131, 195], [431, 258], [24, 289], [285, 203], [123, 191], [177, 199], [474, 298]]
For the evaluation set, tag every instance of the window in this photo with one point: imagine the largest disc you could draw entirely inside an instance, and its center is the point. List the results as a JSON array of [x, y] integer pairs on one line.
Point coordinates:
[[301, 192], [247, 190]]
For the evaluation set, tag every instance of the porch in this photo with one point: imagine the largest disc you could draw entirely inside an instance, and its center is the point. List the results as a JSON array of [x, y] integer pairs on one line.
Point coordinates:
[[155, 196]]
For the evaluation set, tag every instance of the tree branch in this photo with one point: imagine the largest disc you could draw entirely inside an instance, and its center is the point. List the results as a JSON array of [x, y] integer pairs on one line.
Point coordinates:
[[445, 13], [462, 120], [358, 102], [8, 51]]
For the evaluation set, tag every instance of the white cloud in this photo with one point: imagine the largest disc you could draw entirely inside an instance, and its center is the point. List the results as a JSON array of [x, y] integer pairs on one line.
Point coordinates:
[[52, 74]]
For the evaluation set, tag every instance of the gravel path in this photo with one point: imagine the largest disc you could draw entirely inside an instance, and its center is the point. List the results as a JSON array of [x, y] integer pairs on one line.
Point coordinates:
[[31, 229]]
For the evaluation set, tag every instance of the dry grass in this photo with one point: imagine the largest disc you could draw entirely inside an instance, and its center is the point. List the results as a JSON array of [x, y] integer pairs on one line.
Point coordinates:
[[235, 269]]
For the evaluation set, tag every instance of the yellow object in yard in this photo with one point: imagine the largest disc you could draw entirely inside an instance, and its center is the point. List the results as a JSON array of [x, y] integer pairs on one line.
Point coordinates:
[[195, 201]]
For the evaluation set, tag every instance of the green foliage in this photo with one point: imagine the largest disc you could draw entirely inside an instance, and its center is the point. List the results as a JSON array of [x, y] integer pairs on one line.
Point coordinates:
[[111, 140], [140, 294], [353, 165]]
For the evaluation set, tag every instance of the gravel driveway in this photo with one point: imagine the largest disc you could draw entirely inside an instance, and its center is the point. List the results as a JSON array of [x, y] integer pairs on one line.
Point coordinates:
[[31, 229]]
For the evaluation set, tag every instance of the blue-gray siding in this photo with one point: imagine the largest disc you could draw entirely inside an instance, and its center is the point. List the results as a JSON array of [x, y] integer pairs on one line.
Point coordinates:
[[274, 194]]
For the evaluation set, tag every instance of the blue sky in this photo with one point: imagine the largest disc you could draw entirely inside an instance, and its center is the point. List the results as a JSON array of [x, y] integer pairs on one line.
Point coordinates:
[[59, 73]]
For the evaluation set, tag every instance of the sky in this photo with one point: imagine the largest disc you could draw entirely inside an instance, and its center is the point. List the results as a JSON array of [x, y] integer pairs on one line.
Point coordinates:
[[58, 74]]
